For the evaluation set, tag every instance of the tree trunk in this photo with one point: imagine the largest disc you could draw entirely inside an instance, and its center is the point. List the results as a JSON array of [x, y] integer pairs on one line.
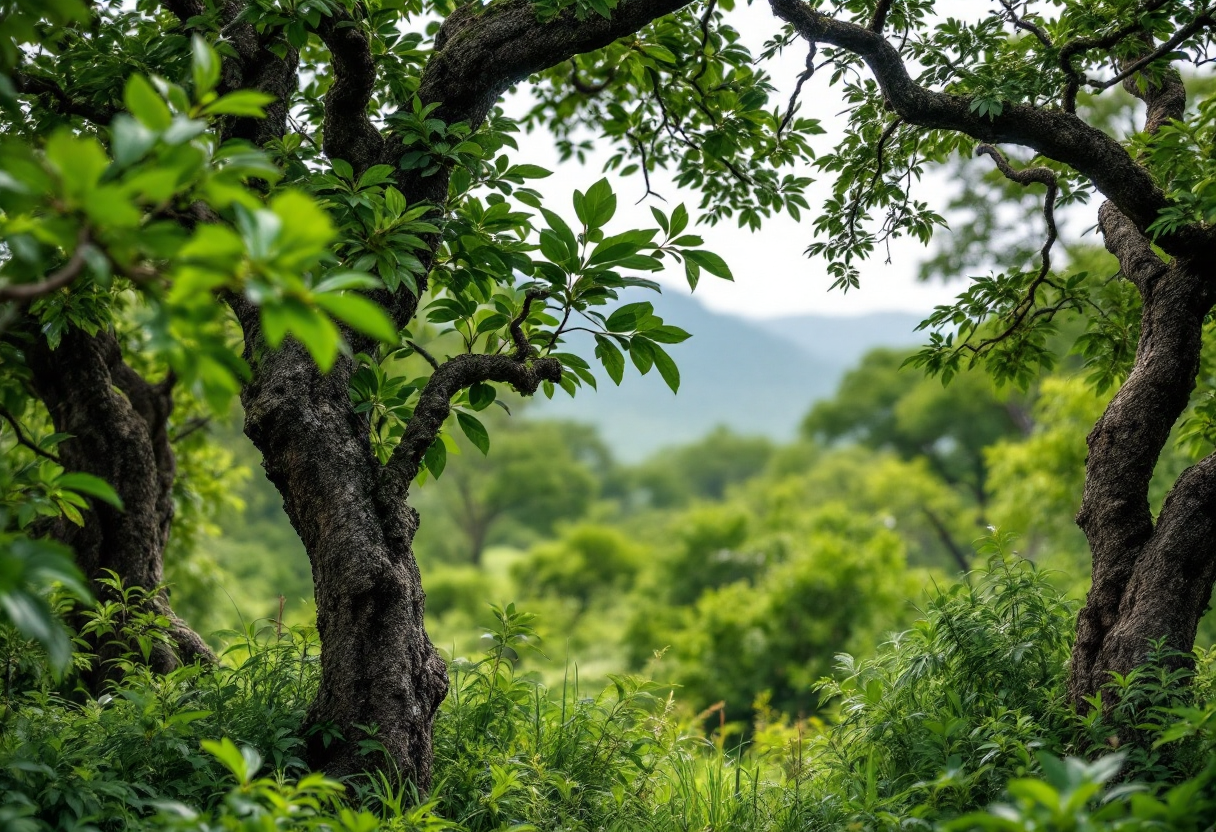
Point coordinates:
[[1151, 581], [380, 674], [118, 423]]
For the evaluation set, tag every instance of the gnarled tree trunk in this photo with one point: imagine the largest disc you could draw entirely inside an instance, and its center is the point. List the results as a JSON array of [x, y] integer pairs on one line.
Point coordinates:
[[118, 424], [1151, 580], [378, 666]]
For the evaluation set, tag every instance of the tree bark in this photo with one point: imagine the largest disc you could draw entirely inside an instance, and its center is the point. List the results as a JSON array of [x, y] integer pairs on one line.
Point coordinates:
[[118, 424], [1150, 580], [378, 667]]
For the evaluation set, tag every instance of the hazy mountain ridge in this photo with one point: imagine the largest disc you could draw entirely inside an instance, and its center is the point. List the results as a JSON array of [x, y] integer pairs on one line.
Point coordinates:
[[756, 377]]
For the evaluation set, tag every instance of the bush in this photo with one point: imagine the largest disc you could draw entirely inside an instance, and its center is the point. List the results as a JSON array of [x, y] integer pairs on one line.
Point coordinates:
[[586, 562], [839, 588], [965, 708]]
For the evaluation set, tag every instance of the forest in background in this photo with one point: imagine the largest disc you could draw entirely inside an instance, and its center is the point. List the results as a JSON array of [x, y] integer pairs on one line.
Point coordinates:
[[734, 567]]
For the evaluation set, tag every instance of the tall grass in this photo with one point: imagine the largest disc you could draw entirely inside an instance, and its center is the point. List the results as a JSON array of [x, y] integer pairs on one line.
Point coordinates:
[[964, 709]]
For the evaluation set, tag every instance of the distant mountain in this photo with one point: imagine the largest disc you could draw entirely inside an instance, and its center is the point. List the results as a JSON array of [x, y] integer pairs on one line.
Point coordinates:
[[842, 341], [756, 377]]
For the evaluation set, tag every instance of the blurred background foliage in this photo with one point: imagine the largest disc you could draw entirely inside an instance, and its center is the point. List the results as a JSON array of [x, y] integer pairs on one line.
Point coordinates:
[[731, 568]]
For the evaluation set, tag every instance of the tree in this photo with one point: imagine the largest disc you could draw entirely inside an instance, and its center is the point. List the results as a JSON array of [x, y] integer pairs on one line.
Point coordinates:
[[536, 475], [260, 132], [882, 407], [139, 206]]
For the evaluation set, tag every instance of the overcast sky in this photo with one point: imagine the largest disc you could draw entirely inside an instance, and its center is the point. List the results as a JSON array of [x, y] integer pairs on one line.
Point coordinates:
[[772, 276]]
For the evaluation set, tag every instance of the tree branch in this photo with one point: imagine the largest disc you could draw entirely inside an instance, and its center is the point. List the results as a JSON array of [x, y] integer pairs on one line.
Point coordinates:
[[1026, 176], [1057, 135], [524, 350], [1137, 260], [25, 292], [27, 84], [480, 53], [879, 21], [1079, 46], [348, 130], [1200, 21], [435, 402], [22, 439], [1025, 25]]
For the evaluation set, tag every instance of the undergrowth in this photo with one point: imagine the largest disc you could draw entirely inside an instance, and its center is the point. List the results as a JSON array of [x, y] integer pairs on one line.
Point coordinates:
[[959, 723]]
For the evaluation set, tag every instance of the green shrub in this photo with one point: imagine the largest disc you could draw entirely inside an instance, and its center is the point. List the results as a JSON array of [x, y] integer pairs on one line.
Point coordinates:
[[951, 709], [586, 562], [841, 586]]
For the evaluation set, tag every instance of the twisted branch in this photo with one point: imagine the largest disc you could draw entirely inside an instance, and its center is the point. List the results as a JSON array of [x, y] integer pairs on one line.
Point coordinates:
[[435, 402], [26, 292], [1057, 135]]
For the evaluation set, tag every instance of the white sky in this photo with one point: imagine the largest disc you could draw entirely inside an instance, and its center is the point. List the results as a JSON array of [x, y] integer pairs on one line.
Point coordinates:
[[772, 276]]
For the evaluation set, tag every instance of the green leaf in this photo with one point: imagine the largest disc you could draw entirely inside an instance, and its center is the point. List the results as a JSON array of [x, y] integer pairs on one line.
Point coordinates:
[[230, 757], [528, 171], [641, 352], [241, 103], [436, 457], [626, 317], [709, 261], [481, 395], [339, 281], [80, 161], [475, 431], [145, 103], [91, 485], [204, 66], [610, 356], [679, 220], [597, 206], [667, 334], [360, 313], [666, 367]]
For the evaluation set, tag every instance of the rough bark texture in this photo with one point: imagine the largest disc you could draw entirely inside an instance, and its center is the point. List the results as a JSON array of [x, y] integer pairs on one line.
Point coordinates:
[[1129, 586], [1149, 581], [118, 423], [378, 666]]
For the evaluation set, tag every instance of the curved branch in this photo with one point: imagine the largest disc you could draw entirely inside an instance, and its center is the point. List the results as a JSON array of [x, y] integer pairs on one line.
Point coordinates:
[[25, 292], [1201, 21], [524, 350], [481, 52], [24, 440], [1124, 447], [1025, 25], [1079, 46], [348, 131], [1026, 176], [1057, 135], [27, 84], [1137, 260], [435, 402], [879, 21]]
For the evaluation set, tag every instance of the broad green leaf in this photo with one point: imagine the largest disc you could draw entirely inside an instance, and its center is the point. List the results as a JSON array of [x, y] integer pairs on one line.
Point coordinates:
[[610, 356], [475, 431], [241, 103], [666, 367], [91, 485], [709, 261], [204, 66], [360, 313], [481, 395], [145, 103], [436, 457], [626, 318]]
